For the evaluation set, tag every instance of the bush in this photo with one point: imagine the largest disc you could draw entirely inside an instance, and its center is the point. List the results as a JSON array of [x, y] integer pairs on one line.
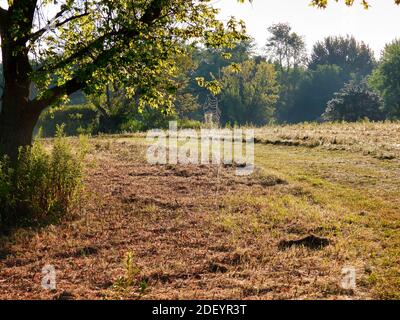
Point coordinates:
[[354, 103], [131, 126], [189, 124], [42, 186], [78, 119]]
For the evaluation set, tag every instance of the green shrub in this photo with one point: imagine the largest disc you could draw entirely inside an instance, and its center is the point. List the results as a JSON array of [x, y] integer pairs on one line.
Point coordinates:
[[354, 102], [131, 126], [189, 124], [42, 186], [78, 119]]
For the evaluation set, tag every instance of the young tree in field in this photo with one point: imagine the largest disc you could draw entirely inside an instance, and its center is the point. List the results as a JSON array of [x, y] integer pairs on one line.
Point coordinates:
[[386, 79], [355, 58], [51, 49], [353, 103], [249, 94]]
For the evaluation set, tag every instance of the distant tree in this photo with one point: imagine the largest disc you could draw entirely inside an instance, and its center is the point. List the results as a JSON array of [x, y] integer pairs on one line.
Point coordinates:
[[210, 61], [386, 79], [353, 103], [208, 64], [285, 47], [250, 94], [187, 106], [287, 50], [355, 58], [315, 89]]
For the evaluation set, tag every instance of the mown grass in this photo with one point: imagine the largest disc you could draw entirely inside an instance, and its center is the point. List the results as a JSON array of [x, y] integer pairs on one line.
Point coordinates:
[[378, 139], [199, 232], [341, 195]]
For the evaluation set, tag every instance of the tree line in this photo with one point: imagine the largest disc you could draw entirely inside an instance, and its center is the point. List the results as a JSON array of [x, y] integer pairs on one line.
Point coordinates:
[[133, 50], [340, 80]]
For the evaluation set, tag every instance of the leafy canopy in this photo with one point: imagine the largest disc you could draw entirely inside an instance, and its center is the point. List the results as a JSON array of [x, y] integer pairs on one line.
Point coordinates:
[[286, 47], [83, 44], [249, 93], [386, 79], [355, 58]]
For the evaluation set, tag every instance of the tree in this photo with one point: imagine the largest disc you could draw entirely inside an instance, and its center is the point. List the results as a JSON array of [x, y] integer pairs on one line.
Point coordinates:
[[315, 89], [211, 61], [116, 108], [187, 105], [287, 50], [285, 47], [353, 103], [355, 58], [386, 79], [250, 94], [87, 44]]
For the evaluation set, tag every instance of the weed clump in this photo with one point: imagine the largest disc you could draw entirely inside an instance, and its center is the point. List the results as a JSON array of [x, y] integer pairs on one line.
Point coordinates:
[[42, 186]]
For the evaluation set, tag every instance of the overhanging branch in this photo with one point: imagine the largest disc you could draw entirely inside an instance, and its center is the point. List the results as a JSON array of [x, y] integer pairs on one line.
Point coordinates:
[[53, 94], [152, 13], [36, 35]]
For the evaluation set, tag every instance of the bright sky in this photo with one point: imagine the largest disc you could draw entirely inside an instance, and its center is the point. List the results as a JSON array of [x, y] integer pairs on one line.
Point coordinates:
[[376, 26]]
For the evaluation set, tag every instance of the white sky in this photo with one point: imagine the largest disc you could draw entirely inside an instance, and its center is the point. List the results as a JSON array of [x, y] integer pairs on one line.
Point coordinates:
[[376, 26]]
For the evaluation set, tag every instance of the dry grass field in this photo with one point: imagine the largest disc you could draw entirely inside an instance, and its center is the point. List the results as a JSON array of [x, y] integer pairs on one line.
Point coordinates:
[[201, 232]]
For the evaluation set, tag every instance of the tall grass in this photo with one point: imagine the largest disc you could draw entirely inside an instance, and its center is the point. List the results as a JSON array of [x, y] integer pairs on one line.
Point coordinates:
[[43, 185]]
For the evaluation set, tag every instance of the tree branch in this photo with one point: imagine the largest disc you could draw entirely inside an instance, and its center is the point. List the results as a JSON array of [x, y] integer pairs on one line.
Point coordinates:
[[78, 54], [53, 94], [36, 35], [152, 13]]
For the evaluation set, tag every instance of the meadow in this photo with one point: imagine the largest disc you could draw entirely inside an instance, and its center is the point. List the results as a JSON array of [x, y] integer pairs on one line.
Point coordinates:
[[323, 197]]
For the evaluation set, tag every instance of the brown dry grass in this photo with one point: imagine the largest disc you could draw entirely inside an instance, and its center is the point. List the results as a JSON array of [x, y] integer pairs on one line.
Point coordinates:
[[200, 232], [379, 139]]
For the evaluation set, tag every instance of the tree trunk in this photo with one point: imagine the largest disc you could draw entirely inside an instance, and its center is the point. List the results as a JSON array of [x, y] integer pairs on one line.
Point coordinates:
[[16, 131], [18, 115]]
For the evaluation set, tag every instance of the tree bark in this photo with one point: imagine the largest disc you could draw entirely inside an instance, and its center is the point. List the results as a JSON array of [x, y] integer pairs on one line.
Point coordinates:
[[16, 130], [18, 117]]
